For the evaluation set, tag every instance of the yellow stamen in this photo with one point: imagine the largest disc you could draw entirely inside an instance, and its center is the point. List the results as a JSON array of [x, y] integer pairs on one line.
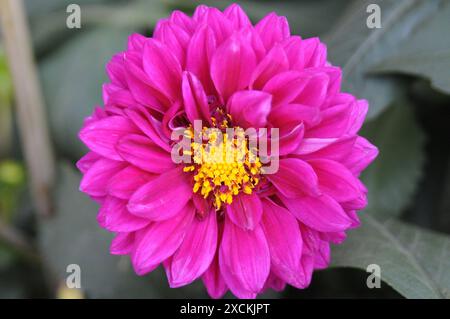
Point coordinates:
[[223, 166]]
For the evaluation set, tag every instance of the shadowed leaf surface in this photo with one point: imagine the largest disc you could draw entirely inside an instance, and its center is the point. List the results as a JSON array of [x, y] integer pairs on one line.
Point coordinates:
[[356, 48], [413, 261]]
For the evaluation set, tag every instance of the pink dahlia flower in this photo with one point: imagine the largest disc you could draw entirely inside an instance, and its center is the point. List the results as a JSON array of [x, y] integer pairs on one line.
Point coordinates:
[[228, 223]]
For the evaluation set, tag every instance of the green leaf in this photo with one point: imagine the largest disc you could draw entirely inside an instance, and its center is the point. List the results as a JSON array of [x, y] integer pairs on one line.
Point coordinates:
[[72, 80], [413, 261], [356, 48], [393, 177], [72, 236], [426, 53], [48, 24]]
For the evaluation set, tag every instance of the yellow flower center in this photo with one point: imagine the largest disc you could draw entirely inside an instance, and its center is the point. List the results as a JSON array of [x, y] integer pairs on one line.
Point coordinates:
[[224, 165]]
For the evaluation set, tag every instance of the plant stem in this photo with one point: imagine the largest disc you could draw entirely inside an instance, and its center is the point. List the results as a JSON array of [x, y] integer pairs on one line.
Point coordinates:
[[32, 122]]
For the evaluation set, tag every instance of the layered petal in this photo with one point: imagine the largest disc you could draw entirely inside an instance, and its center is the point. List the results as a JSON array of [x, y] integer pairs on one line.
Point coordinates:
[[160, 240], [124, 183], [336, 180], [163, 69], [142, 153], [276, 61], [122, 244], [272, 29], [362, 154], [199, 55], [200, 241], [244, 259], [114, 216], [295, 178], [250, 108], [194, 98], [232, 66], [322, 212], [245, 211], [213, 280], [102, 136], [163, 197], [237, 16], [284, 240], [96, 179]]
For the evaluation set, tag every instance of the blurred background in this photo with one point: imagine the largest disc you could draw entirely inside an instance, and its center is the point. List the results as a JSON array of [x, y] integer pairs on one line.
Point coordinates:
[[402, 68]]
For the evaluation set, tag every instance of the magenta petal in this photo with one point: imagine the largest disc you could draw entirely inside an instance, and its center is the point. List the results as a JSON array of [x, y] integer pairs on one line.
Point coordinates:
[[102, 136], [311, 145], [163, 197], [315, 53], [244, 259], [136, 41], [122, 244], [202, 205], [333, 149], [362, 154], [114, 216], [250, 108], [274, 283], [272, 29], [160, 240], [140, 84], [273, 63], [175, 37], [163, 69], [127, 181], [213, 280], [199, 55], [194, 98], [335, 79], [290, 141], [200, 13], [237, 16], [245, 211], [196, 252], [322, 213], [294, 113], [296, 56], [315, 91], [141, 152], [286, 86], [87, 161], [96, 179], [335, 122], [249, 36], [334, 237], [115, 69], [284, 240], [181, 19], [220, 25], [295, 178], [150, 127], [357, 116], [114, 96], [232, 66], [336, 180], [323, 256]]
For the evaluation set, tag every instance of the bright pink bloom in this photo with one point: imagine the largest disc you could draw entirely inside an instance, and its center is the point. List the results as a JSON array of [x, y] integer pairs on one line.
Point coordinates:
[[271, 229]]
